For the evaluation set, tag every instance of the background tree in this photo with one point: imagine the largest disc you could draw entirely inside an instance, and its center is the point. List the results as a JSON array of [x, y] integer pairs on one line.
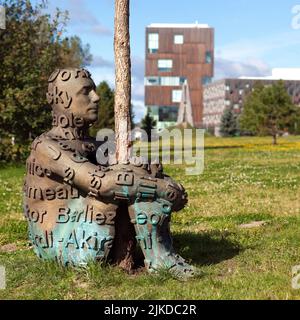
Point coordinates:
[[270, 111], [32, 46], [147, 124], [229, 123], [106, 115]]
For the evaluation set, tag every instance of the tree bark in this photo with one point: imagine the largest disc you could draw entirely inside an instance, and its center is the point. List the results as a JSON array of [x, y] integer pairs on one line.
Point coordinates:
[[124, 243], [123, 250], [275, 140], [123, 80]]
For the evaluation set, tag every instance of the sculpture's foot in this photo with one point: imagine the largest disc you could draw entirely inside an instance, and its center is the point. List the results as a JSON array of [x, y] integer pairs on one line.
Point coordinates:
[[174, 264], [151, 221]]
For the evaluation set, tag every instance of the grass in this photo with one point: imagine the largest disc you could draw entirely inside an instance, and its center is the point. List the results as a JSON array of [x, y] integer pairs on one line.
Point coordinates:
[[245, 180]]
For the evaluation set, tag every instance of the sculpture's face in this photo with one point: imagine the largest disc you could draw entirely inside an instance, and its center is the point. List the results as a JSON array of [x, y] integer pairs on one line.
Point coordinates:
[[84, 100], [72, 92]]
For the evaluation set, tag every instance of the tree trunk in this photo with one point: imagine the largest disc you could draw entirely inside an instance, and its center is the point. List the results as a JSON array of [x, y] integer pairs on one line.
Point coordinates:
[[123, 250], [274, 139], [123, 80], [124, 243]]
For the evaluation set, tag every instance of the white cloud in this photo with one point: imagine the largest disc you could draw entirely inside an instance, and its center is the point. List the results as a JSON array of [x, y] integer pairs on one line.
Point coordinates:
[[139, 110], [84, 20], [248, 57], [259, 47], [225, 68], [100, 62]]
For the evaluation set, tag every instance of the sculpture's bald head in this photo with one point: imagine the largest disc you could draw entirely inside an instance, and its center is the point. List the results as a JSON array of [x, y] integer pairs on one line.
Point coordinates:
[[72, 91]]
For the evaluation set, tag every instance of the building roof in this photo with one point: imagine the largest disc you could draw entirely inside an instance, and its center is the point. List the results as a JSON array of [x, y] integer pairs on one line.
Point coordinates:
[[178, 25]]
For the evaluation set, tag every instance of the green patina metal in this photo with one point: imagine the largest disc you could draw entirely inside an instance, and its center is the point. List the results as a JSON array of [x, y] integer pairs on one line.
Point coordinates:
[[152, 225], [73, 242]]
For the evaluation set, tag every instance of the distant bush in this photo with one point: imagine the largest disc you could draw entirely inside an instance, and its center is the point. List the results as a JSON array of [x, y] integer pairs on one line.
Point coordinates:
[[13, 152]]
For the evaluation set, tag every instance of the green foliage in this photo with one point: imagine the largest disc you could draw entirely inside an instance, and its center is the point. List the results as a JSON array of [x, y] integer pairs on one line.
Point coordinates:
[[147, 124], [9, 152], [31, 48], [106, 114], [229, 123], [269, 111], [106, 117]]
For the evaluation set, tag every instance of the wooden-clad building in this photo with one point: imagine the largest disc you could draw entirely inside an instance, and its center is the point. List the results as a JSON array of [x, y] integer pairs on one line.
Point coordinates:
[[176, 53]]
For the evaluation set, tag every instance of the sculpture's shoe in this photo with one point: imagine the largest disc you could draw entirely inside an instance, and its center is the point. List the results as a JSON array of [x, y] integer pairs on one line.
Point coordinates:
[[175, 265]]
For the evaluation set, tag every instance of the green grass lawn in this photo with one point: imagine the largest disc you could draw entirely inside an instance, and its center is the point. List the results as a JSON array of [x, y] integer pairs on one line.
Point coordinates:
[[245, 180]]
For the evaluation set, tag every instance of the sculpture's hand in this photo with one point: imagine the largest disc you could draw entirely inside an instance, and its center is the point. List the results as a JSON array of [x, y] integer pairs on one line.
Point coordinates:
[[128, 184]]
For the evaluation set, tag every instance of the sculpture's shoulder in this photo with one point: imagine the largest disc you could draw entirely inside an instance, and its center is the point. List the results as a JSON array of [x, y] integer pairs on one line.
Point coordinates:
[[44, 149], [42, 142]]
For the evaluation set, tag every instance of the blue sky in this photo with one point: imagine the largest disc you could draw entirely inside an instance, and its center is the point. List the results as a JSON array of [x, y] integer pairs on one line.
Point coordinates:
[[251, 36]]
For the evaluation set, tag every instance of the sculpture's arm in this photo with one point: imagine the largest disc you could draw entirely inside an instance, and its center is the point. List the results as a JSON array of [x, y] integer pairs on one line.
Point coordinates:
[[74, 169], [114, 184]]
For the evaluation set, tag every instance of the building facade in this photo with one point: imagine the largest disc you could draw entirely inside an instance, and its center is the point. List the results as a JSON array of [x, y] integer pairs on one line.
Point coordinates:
[[231, 93], [176, 53]]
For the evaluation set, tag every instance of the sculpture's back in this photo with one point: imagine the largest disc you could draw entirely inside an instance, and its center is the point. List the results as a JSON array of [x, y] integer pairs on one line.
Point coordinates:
[[64, 222]]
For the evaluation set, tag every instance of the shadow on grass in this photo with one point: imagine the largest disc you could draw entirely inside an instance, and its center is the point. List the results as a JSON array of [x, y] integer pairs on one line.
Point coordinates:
[[207, 248]]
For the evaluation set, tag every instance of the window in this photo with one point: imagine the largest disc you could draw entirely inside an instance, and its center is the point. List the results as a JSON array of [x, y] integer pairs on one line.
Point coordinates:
[[170, 81], [227, 102], [178, 39], [165, 65], [152, 81], [206, 80], [176, 96], [168, 114], [182, 80], [208, 57], [153, 42], [164, 81]]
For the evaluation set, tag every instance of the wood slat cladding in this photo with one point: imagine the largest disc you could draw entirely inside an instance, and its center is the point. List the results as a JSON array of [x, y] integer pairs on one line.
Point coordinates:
[[189, 61], [159, 96]]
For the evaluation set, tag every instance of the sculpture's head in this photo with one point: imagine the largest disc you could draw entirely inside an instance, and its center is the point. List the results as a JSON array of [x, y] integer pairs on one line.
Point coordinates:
[[71, 92]]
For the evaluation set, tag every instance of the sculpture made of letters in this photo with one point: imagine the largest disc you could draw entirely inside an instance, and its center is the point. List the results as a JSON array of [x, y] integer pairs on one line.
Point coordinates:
[[71, 201]]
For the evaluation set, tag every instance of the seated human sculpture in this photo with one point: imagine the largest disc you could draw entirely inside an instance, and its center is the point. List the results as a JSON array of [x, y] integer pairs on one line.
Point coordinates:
[[71, 201]]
